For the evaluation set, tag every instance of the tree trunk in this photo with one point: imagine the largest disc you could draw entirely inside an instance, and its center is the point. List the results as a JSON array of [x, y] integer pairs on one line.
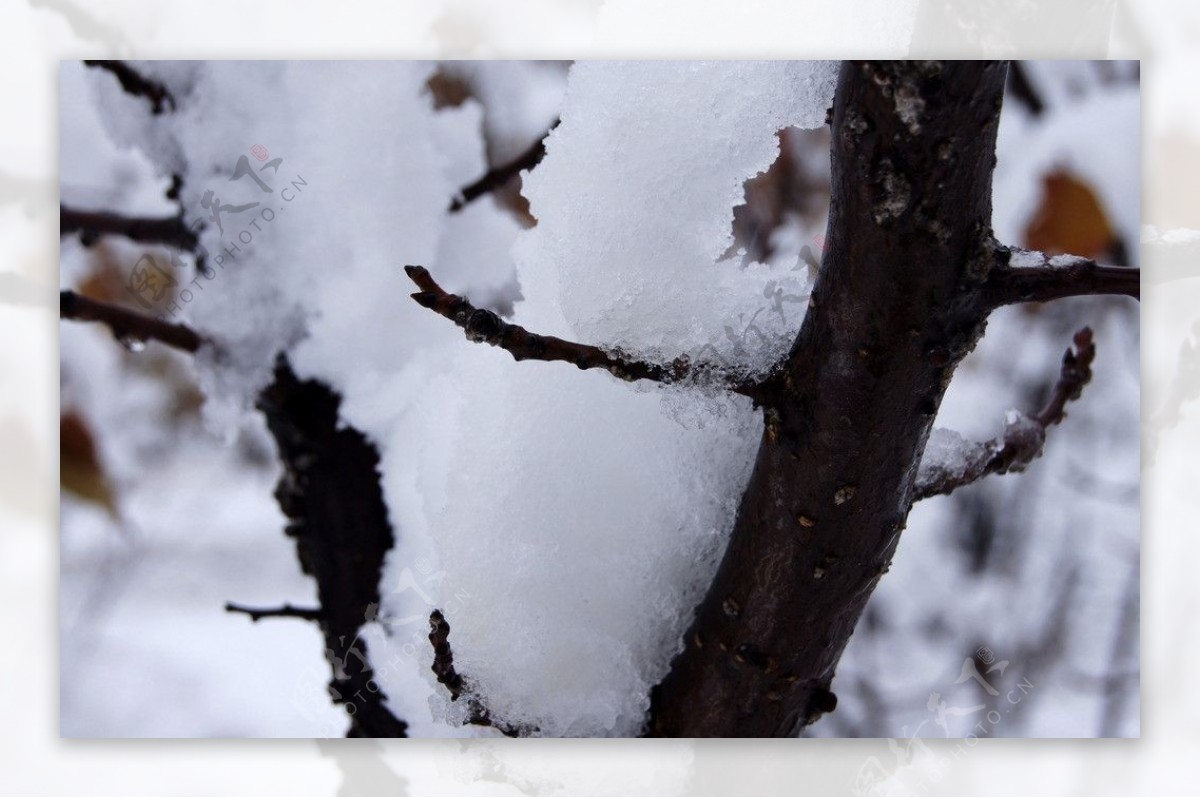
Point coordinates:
[[896, 306]]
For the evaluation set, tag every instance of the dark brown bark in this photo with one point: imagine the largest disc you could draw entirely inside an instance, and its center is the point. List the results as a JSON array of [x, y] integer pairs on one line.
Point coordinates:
[[896, 306], [910, 274], [256, 614], [1022, 89], [168, 230], [1024, 437], [483, 326], [497, 177], [137, 84], [477, 712], [331, 496], [1009, 285], [127, 325]]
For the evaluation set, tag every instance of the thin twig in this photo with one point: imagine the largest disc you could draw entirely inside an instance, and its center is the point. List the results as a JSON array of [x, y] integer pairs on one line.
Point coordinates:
[[1057, 277], [125, 324], [443, 657], [286, 611], [1076, 372], [447, 676], [137, 84], [1022, 89], [169, 230], [497, 177], [1024, 437], [484, 326]]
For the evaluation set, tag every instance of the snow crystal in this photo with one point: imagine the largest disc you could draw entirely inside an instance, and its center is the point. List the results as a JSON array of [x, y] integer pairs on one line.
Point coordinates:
[[1066, 260], [566, 523], [328, 176], [572, 546], [101, 174], [635, 202], [567, 589], [1026, 259], [542, 508], [521, 100], [947, 454]]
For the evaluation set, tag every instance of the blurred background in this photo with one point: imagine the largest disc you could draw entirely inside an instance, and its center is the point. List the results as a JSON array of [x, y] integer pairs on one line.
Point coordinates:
[[1027, 581]]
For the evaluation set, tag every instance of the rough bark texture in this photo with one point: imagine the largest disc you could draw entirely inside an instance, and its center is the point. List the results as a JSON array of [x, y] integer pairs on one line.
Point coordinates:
[[909, 277], [331, 495], [896, 306]]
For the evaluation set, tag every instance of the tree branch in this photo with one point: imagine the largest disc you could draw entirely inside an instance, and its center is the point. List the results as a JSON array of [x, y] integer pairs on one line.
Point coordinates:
[[484, 326], [169, 230], [1024, 436], [1032, 277], [330, 493], [137, 84], [894, 309], [286, 611], [443, 667], [1022, 89], [497, 177], [127, 325]]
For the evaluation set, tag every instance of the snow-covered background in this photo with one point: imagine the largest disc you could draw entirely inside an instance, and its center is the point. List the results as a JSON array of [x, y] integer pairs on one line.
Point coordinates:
[[565, 521]]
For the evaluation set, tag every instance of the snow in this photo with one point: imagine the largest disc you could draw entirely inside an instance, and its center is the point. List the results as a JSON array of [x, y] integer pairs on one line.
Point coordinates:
[[635, 201], [564, 521], [994, 563], [308, 265], [1066, 260], [947, 454], [574, 585], [1026, 259], [610, 557], [321, 271], [1078, 134], [106, 175], [142, 592], [562, 574], [522, 99]]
